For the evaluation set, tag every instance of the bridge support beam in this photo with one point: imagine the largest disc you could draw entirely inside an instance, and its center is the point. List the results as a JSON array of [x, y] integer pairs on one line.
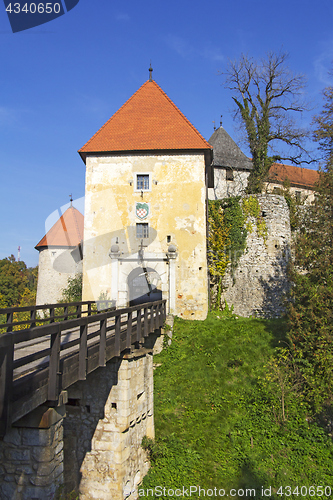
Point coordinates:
[[31, 456], [107, 417]]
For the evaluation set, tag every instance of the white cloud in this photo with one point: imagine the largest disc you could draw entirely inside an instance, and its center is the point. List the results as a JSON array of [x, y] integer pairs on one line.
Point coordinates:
[[179, 45], [323, 64], [187, 51], [122, 17]]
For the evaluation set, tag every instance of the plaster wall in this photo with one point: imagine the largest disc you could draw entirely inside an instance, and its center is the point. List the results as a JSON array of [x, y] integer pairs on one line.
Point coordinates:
[[223, 188], [55, 266], [177, 215]]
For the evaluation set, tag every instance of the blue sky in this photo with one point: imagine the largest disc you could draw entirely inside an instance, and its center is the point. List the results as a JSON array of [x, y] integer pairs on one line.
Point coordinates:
[[61, 81]]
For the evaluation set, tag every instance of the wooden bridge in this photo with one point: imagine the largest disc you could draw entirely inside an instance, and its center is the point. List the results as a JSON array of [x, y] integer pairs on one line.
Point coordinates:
[[56, 345]]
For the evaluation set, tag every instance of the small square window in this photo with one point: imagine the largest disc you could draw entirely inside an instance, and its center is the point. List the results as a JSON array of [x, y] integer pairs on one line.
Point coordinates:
[[142, 230], [142, 182], [229, 174]]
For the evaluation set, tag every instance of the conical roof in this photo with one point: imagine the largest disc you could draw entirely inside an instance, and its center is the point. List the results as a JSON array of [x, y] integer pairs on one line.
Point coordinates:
[[66, 232], [149, 120], [226, 153]]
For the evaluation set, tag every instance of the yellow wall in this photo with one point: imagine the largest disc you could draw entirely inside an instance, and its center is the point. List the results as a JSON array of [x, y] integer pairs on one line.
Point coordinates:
[[177, 208]]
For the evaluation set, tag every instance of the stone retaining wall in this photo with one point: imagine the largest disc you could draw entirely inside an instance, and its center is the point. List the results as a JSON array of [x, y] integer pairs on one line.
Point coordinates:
[[32, 458], [260, 282]]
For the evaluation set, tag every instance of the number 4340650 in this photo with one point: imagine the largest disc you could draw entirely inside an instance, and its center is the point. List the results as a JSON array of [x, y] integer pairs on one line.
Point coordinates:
[[32, 8]]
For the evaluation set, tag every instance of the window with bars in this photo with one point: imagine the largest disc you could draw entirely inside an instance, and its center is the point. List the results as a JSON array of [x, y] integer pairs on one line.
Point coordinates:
[[142, 230], [142, 182]]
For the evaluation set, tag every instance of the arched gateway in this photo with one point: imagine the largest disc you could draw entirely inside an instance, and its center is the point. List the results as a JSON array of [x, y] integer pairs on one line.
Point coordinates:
[[144, 285]]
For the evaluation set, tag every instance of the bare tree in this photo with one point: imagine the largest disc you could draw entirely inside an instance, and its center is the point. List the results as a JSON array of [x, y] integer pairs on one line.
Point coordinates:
[[267, 96]]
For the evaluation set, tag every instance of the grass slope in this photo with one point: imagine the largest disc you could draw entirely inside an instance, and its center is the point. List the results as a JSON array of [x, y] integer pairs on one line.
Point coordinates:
[[218, 414]]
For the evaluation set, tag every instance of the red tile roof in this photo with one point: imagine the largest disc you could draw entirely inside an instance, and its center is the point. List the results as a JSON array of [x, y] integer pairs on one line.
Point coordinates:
[[149, 120], [66, 232], [302, 177]]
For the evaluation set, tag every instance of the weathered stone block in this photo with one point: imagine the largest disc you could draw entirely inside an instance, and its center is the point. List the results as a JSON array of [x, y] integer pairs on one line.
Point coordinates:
[[43, 454], [38, 437], [13, 436], [17, 455]]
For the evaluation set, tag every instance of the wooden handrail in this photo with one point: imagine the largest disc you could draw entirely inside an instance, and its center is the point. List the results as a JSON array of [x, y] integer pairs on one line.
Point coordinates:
[[100, 337], [75, 309]]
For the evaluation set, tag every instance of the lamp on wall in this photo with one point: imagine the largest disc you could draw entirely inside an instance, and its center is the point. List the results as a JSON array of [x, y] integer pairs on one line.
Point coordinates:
[[114, 253], [172, 251]]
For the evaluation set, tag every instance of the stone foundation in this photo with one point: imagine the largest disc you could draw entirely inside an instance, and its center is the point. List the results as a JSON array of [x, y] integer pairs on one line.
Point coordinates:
[[31, 456], [105, 423]]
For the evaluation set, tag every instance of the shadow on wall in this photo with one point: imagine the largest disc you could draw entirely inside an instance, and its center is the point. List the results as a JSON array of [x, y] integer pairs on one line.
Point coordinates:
[[86, 406], [276, 287]]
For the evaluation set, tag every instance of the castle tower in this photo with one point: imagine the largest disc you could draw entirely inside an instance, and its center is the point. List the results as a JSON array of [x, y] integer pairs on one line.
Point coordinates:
[[60, 256], [147, 174]]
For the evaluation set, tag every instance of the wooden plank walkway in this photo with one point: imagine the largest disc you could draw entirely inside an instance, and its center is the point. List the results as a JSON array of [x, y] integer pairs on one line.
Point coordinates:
[[37, 364]]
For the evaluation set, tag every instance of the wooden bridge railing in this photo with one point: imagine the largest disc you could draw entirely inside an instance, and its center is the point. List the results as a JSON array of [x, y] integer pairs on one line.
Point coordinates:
[[65, 352], [18, 318]]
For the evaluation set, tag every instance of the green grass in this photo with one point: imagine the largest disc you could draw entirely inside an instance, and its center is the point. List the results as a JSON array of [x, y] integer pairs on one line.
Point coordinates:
[[218, 413]]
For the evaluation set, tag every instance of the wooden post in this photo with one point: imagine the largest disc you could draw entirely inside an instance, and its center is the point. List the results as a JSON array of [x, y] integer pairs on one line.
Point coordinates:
[[102, 342], [65, 313], [83, 352], [117, 334], [145, 322], [129, 331], [53, 387], [51, 314], [9, 320], [32, 318], [6, 382], [138, 325]]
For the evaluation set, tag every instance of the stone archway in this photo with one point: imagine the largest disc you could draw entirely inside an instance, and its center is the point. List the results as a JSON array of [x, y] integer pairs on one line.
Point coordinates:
[[144, 285]]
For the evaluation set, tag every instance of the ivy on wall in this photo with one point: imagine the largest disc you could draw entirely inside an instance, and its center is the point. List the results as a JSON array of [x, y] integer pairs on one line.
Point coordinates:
[[229, 225]]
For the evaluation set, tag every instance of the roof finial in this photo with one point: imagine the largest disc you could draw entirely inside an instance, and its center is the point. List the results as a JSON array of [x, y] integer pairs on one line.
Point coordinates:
[[71, 199], [150, 73], [221, 121], [214, 124]]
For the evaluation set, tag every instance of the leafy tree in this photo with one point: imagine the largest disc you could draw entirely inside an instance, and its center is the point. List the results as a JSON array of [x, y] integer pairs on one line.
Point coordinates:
[[267, 96], [13, 280], [73, 292], [311, 310]]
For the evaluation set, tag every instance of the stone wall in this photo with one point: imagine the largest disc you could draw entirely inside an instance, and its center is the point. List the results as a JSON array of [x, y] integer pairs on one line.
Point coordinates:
[[31, 457], [260, 281], [106, 419]]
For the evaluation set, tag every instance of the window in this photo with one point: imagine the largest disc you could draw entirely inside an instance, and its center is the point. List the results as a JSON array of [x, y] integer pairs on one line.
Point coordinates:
[[229, 175], [142, 182], [298, 195], [142, 230]]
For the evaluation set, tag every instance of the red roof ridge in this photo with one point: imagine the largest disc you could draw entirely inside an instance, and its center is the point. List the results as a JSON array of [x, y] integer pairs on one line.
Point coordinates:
[[302, 176], [121, 141], [67, 231]]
